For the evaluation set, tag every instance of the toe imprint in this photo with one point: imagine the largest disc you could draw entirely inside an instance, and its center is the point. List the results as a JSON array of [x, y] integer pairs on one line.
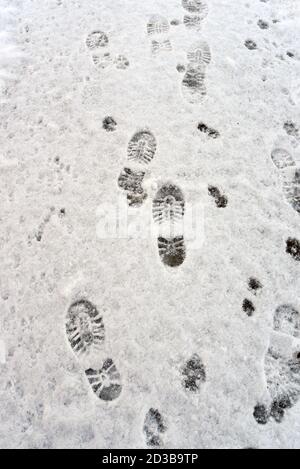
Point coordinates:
[[109, 124], [84, 327], [263, 24], [291, 129], [196, 6], [96, 39], [105, 382], [248, 307], [180, 68], [279, 406], [154, 427], [251, 45], [193, 374], [121, 62], [199, 54], [261, 414], [282, 158], [168, 205], [209, 131], [221, 201], [142, 147], [254, 285], [157, 25]]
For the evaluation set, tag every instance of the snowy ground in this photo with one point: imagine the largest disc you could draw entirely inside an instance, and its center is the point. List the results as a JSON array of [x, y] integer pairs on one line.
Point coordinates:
[[59, 171]]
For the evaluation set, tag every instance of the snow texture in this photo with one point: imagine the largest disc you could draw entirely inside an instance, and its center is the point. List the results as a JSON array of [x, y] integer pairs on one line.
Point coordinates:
[[150, 224]]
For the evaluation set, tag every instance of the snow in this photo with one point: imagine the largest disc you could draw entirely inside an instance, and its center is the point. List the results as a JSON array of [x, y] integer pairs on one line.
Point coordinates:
[[67, 232]]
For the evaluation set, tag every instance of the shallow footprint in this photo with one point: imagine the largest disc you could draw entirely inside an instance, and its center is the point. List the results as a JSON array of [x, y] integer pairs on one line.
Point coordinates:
[[199, 54], [121, 62], [157, 24], [154, 427], [105, 382], [196, 6], [291, 189], [84, 327], [168, 212], [193, 374], [193, 86], [282, 159], [192, 22], [102, 61], [161, 46], [287, 320], [96, 39], [142, 147], [282, 367], [285, 163]]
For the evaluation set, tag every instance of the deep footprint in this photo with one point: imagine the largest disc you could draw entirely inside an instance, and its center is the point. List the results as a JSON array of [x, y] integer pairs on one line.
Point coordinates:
[[109, 124], [154, 427], [254, 285], [194, 374], [221, 201], [291, 129], [293, 248], [105, 382], [172, 251], [168, 212], [131, 182], [84, 327], [248, 307], [193, 86], [209, 131]]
